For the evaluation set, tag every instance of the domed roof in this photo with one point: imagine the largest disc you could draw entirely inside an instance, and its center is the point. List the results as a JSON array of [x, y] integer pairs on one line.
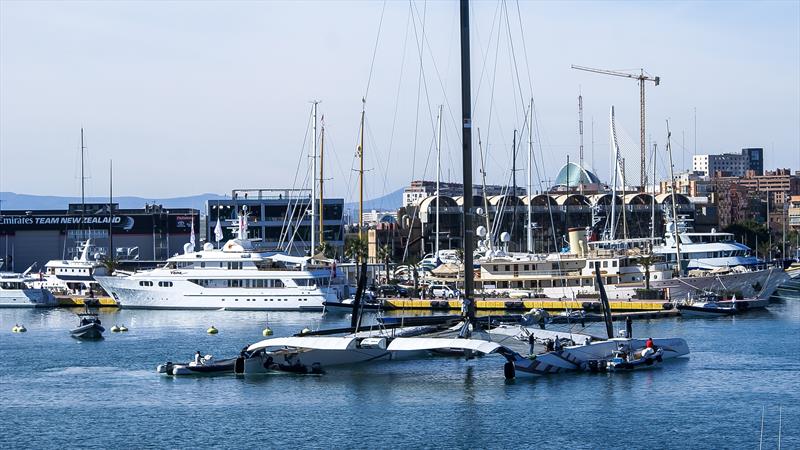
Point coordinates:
[[573, 175]]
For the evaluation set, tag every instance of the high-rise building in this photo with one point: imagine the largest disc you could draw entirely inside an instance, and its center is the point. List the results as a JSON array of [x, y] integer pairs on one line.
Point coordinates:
[[755, 159]]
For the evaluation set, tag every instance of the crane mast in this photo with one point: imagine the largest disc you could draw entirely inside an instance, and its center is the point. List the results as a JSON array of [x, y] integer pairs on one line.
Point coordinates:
[[641, 78]]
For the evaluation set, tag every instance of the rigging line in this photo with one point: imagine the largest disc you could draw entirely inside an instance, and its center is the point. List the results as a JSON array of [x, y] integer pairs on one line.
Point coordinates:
[[419, 84], [485, 59], [375, 50], [297, 170], [397, 95], [421, 48], [524, 47]]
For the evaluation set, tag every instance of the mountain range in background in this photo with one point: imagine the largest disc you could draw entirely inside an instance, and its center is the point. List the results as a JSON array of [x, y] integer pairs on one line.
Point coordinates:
[[11, 201]]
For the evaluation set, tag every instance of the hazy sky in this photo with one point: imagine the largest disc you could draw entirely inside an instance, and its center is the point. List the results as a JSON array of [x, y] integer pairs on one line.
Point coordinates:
[[190, 97]]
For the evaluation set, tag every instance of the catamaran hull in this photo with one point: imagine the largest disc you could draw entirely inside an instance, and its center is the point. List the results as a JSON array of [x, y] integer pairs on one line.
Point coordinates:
[[574, 358], [306, 361]]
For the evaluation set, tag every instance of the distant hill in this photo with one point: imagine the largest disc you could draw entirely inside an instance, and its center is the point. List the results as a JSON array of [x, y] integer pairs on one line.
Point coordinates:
[[14, 201], [389, 202]]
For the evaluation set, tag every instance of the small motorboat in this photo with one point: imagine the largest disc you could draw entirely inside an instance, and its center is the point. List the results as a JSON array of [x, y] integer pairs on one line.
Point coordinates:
[[202, 365], [641, 359], [346, 305], [89, 327], [708, 305]]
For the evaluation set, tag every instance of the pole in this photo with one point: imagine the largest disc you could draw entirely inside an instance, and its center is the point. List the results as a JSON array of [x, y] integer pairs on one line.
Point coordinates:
[[653, 202], [314, 183], [83, 197], [615, 165], [530, 180], [466, 142], [438, 177]]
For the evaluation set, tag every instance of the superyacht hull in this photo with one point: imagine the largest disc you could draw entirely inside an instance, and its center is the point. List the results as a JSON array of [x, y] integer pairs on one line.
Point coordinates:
[[26, 298], [760, 283], [184, 295]]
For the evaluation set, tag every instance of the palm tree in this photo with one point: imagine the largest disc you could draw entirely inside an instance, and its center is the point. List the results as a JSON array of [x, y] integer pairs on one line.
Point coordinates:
[[110, 264], [355, 249], [646, 261], [385, 255], [327, 250]]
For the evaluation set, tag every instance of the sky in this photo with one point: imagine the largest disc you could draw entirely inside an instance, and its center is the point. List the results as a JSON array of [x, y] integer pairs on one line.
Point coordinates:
[[194, 97]]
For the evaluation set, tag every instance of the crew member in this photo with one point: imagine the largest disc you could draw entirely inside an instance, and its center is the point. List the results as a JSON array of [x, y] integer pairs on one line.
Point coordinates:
[[649, 343]]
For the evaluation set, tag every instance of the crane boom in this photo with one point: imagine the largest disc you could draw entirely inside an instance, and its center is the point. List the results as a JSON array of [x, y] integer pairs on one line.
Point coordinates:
[[641, 78]]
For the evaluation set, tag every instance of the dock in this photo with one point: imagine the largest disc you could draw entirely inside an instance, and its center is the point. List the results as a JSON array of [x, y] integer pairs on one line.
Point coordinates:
[[68, 301], [527, 305]]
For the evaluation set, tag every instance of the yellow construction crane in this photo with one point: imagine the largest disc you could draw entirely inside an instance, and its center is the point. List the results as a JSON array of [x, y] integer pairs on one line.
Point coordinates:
[[641, 77]]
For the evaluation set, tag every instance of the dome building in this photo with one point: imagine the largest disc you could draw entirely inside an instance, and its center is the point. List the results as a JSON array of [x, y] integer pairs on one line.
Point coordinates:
[[572, 176]]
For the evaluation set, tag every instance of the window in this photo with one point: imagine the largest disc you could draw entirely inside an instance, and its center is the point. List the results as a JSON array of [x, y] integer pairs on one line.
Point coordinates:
[[145, 283], [165, 283], [605, 264], [614, 264]]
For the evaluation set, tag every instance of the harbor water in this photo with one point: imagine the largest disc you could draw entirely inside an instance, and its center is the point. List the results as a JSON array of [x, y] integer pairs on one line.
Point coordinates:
[[56, 391]]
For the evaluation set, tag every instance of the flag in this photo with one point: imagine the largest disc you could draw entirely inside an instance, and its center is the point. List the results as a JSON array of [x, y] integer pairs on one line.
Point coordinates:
[[218, 232], [191, 236]]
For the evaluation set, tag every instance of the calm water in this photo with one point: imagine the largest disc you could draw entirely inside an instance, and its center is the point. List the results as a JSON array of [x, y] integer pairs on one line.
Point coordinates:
[[56, 391]]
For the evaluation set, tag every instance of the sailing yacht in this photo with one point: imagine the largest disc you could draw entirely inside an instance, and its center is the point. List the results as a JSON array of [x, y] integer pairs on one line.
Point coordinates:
[[238, 276]]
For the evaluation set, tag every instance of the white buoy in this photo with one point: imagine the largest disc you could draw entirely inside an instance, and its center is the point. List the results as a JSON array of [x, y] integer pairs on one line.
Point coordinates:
[[305, 330], [21, 329], [267, 331], [212, 330], [115, 329], [123, 328]]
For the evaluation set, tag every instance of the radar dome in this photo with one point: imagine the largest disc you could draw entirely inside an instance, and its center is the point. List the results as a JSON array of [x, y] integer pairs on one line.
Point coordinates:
[[481, 231], [505, 237], [208, 246]]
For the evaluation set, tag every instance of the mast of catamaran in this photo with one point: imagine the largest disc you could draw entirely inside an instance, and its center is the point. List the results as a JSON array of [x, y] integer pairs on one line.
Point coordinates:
[[438, 176], [466, 143], [111, 253], [313, 227], [613, 230], [361, 172], [83, 196], [530, 179]]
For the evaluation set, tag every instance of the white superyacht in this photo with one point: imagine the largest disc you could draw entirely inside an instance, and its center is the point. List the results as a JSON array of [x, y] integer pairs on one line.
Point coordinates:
[[236, 277]]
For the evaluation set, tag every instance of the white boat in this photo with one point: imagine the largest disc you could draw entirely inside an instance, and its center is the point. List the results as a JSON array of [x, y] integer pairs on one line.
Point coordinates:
[[708, 305], [75, 276], [236, 277], [16, 293]]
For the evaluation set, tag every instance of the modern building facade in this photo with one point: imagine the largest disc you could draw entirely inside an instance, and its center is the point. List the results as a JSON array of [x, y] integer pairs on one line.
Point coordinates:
[[150, 234], [280, 218], [730, 164]]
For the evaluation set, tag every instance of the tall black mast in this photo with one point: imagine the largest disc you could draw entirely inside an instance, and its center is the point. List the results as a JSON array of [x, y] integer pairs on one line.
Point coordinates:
[[111, 253], [466, 141]]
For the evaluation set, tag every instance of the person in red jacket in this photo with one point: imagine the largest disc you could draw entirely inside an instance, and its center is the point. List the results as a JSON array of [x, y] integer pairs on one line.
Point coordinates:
[[649, 343]]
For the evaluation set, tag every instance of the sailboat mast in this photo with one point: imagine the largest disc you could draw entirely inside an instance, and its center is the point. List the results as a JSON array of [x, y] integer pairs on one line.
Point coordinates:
[[514, 178], [674, 208], [489, 239], [361, 173], [613, 228], [112, 254], [653, 201], [530, 180], [466, 142], [438, 176], [83, 190], [321, 181], [313, 228]]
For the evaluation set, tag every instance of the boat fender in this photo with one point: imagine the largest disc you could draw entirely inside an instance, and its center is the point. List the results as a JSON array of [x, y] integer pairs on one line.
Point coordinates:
[[115, 329], [212, 330], [123, 328], [509, 371], [305, 330], [15, 329], [267, 331], [667, 306]]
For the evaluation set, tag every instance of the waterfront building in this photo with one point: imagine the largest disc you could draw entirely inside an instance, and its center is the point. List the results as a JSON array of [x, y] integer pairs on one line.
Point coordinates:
[[280, 218], [793, 213], [730, 164], [153, 233], [419, 189]]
